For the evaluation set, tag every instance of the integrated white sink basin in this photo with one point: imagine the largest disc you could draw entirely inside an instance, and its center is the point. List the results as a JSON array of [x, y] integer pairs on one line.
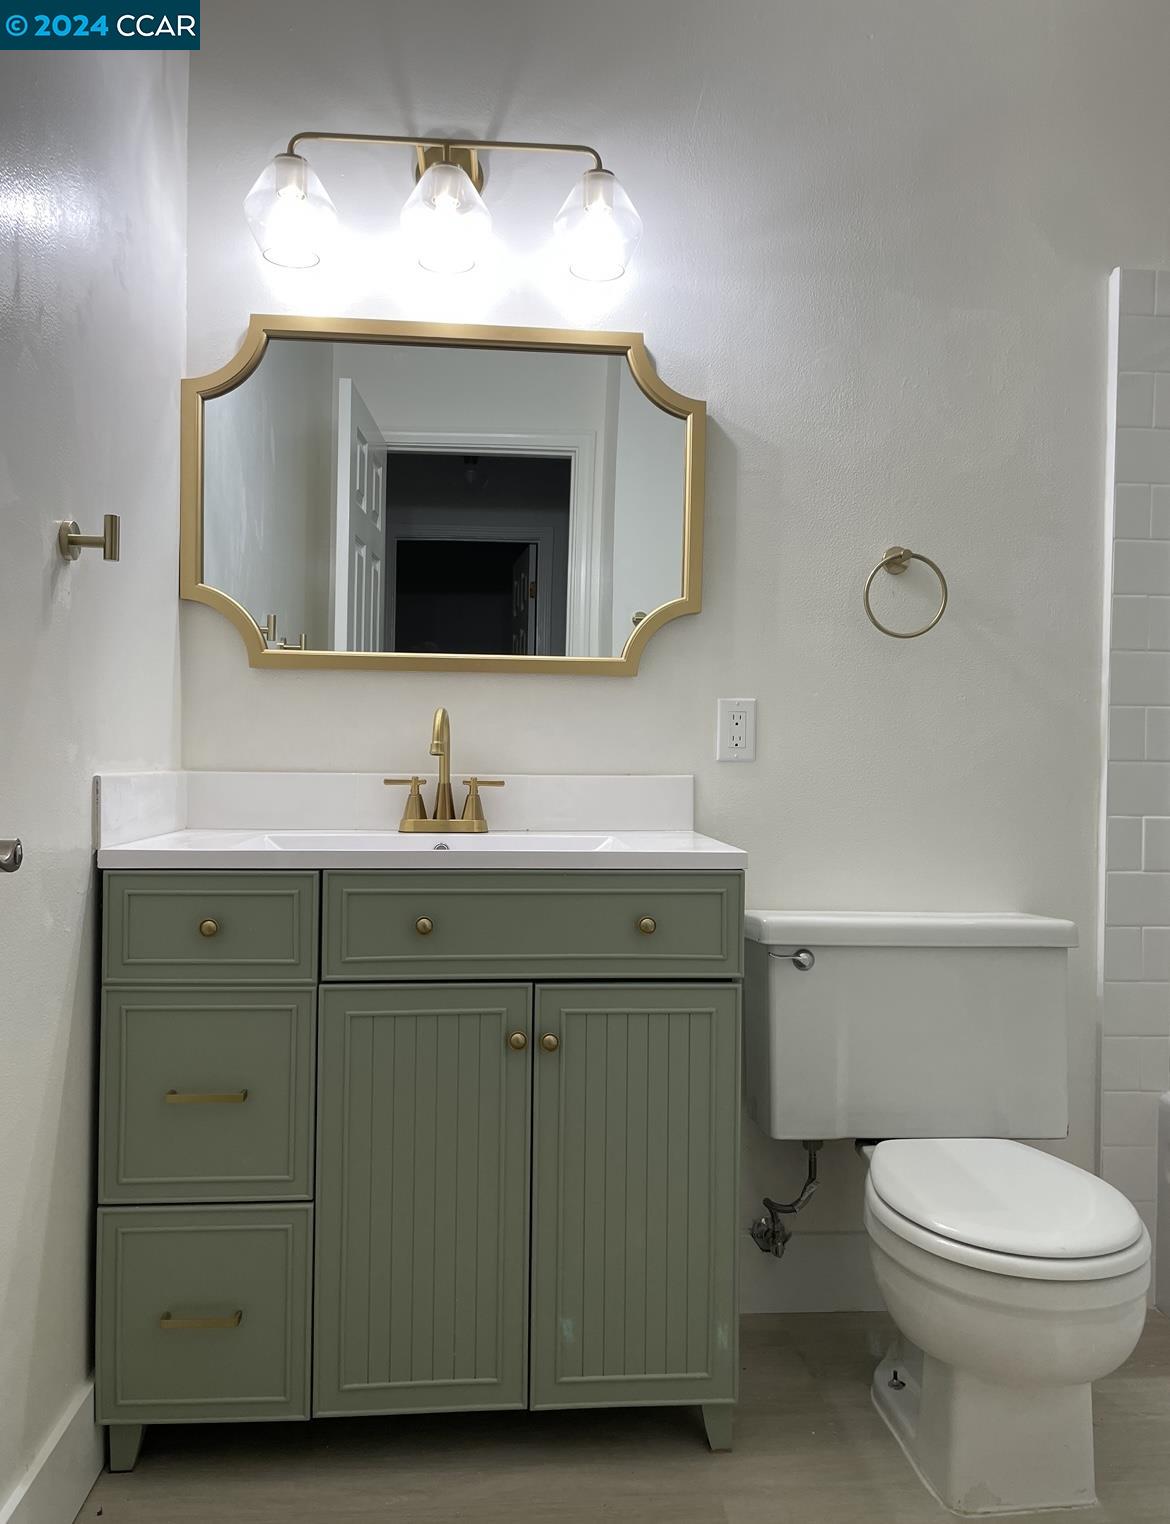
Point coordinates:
[[391, 841]]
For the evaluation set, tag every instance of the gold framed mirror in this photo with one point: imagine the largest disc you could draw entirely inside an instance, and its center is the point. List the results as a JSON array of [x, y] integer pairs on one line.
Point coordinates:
[[413, 496]]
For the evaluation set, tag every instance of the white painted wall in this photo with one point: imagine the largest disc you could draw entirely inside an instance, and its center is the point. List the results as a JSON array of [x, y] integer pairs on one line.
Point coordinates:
[[1135, 1042], [91, 335], [268, 490], [894, 301]]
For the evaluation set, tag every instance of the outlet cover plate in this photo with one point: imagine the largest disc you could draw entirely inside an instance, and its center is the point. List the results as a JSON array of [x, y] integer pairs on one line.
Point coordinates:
[[735, 730]]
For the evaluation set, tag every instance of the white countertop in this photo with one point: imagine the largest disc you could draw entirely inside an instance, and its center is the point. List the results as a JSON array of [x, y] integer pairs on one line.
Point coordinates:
[[601, 850], [347, 820]]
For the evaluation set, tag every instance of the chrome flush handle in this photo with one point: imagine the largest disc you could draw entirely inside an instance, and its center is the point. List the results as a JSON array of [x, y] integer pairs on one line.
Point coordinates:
[[11, 855]]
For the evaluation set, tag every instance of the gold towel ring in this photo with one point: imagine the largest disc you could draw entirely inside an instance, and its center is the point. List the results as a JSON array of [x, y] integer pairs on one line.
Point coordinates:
[[895, 561]]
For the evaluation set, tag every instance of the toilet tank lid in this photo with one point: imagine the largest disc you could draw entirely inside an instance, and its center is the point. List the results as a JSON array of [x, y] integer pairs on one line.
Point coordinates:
[[906, 928], [1004, 1196]]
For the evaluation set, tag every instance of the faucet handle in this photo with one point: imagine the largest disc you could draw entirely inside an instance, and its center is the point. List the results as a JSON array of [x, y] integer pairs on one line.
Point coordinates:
[[414, 809], [472, 805]]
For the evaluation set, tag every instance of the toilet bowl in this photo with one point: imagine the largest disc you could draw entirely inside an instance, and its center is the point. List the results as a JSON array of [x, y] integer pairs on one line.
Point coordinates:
[[1015, 1280]]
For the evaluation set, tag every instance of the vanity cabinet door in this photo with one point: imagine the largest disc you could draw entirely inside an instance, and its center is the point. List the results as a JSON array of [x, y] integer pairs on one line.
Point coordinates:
[[635, 1154], [423, 1197]]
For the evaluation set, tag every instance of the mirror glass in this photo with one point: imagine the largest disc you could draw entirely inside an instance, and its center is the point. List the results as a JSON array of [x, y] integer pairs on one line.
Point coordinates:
[[427, 499]]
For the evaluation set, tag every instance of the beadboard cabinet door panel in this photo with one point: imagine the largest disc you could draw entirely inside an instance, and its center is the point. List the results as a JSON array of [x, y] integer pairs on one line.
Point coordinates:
[[422, 1198], [635, 1163]]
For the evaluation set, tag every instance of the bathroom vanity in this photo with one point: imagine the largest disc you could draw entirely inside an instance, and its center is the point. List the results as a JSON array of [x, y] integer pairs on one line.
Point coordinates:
[[383, 1130]]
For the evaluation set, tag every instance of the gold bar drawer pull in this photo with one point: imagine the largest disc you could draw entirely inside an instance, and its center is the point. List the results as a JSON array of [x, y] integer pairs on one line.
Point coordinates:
[[205, 1097], [225, 1320]]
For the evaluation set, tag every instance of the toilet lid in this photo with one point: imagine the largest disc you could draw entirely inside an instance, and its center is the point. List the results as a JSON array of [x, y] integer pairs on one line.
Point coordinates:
[[1004, 1196]]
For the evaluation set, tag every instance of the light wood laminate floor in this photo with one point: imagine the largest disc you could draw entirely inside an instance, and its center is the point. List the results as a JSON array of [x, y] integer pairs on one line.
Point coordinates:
[[809, 1449]]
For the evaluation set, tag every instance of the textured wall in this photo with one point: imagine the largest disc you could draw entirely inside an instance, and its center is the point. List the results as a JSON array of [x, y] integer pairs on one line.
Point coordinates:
[[878, 237], [91, 334], [1135, 1043]]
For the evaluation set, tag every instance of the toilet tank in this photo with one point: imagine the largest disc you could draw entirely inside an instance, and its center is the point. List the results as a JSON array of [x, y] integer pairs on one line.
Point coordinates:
[[906, 1025]]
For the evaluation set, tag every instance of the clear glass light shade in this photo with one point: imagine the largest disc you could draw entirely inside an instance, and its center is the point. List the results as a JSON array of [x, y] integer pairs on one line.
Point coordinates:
[[598, 227], [290, 213], [445, 220]]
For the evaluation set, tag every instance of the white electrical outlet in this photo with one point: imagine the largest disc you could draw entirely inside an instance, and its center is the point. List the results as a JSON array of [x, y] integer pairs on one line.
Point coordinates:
[[735, 731]]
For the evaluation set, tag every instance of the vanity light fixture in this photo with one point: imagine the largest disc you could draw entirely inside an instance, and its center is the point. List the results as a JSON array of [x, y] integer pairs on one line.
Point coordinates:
[[598, 227], [290, 213], [444, 220]]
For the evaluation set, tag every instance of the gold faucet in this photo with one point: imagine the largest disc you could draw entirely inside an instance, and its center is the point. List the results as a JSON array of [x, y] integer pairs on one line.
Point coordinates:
[[414, 815], [441, 747]]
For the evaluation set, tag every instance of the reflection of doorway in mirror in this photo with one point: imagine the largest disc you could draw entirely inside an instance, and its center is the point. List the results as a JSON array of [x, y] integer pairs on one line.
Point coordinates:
[[357, 595], [477, 553]]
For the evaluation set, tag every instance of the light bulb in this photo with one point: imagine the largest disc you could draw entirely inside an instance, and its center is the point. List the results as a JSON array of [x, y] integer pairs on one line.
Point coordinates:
[[445, 220], [290, 213], [598, 227]]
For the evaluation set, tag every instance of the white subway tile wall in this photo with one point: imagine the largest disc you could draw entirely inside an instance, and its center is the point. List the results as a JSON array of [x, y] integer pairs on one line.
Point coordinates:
[[1135, 1040]]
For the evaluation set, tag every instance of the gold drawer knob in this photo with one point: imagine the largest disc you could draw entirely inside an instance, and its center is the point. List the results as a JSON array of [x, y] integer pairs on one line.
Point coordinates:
[[550, 1042], [648, 925], [518, 1041], [208, 928], [424, 926]]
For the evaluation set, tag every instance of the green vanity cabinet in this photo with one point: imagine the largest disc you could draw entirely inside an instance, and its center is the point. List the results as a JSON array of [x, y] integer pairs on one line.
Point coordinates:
[[444, 1139]]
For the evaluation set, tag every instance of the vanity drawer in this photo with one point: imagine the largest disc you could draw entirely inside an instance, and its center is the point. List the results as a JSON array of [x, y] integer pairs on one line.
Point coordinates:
[[211, 928], [206, 1095], [202, 1313], [532, 925]]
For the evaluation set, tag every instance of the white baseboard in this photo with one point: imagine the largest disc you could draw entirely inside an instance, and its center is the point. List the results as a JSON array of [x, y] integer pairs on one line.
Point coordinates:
[[820, 1272], [64, 1469]]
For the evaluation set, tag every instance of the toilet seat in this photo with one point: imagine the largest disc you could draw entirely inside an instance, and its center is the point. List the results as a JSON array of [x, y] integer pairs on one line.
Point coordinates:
[[1003, 1207]]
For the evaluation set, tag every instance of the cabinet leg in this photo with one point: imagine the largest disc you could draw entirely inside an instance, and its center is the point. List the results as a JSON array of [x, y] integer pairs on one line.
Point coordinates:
[[125, 1441], [717, 1418]]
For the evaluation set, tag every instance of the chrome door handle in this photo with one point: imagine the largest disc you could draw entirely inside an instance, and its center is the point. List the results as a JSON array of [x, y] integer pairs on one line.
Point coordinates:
[[11, 855]]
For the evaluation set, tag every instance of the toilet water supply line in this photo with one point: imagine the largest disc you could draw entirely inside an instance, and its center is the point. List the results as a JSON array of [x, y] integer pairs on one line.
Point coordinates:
[[770, 1233]]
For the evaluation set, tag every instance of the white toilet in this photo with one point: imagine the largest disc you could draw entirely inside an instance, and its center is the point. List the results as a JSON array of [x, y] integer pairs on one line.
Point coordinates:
[[1015, 1279]]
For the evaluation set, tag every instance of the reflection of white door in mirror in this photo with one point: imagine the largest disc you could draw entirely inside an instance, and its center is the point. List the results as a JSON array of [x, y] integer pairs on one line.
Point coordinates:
[[524, 602], [359, 538]]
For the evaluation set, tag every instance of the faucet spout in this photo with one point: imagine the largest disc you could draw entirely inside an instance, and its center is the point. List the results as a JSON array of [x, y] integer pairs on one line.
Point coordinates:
[[441, 748]]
